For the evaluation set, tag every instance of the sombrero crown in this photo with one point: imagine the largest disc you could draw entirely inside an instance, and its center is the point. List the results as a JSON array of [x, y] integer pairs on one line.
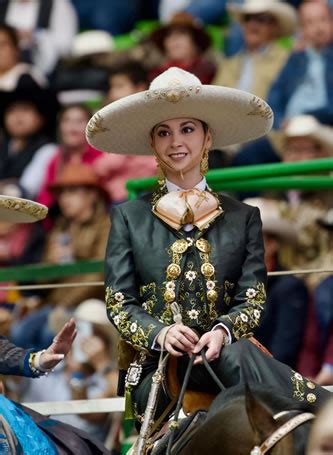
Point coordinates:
[[234, 116]]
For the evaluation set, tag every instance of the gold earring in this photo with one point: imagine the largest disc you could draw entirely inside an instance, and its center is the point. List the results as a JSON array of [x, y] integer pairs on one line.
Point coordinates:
[[160, 174], [204, 162]]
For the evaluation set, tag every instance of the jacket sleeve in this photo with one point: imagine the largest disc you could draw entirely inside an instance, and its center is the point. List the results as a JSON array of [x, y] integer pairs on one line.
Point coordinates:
[[14, 360], [121, 281], [250, 292]]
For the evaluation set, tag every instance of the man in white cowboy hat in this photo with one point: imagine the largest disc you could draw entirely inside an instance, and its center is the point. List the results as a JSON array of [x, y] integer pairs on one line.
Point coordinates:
[[15, 360], [304, 85], [255, 67], [287, 296], [184, 267], [305, 138]]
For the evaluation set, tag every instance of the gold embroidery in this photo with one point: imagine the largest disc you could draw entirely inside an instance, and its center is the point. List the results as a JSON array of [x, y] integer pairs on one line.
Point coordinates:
[[249, 317], [228, 287], [298, 386], [172, 94], [260, 108], [128, 328], [95, 126], [35, 210]]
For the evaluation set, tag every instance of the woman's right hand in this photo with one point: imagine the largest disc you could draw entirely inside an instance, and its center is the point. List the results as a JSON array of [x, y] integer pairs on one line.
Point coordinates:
[[178, 339]]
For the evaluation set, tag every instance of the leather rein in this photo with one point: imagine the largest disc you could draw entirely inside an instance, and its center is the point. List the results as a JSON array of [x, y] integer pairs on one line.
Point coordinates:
[[281, 432]]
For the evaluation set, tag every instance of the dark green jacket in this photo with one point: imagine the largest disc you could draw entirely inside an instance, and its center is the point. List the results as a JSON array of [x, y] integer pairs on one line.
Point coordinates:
[[139, 253]]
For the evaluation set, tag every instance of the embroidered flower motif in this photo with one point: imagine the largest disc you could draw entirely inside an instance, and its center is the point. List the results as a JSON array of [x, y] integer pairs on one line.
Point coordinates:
[[170, 286], [189, 241], [243, 317], [298, 377], [190, 275], [251, 293], [256, 314], [119, 296], [210, 285], [193, 314], [116, 320], [133, 327], [145, 306]]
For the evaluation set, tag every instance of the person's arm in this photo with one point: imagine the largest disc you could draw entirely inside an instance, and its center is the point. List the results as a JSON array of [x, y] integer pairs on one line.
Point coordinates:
[[121, 280], [250, 293], [14, 360]]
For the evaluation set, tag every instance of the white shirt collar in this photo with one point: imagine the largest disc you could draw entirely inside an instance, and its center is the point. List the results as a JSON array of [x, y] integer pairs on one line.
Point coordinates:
[[202, 185]]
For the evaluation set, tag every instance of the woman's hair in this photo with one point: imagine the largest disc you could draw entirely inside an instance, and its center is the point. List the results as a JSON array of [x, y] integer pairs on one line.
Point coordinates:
[[11, 33]]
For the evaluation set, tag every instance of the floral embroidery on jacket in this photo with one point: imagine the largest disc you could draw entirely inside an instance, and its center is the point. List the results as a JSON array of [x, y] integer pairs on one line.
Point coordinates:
[[130, 329], [249, 317]]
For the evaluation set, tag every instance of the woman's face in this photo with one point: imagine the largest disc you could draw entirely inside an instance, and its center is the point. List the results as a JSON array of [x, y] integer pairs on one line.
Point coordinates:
[[22, 119], [72, 127], [179, 46], [73, 201], [179, 143], [8, 52]]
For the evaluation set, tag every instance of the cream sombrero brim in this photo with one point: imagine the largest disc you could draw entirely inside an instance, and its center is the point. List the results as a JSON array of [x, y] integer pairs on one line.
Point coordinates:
[[285, 14], [124, 126], [17, 210]]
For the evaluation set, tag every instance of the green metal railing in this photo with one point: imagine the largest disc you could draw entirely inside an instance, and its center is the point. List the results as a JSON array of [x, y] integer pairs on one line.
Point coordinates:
[[277, 176]]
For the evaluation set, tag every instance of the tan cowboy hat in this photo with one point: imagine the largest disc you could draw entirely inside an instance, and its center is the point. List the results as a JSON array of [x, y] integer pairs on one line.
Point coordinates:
[[124, 126], [18, 210], [272, 220], [284, 13], [303, 126]]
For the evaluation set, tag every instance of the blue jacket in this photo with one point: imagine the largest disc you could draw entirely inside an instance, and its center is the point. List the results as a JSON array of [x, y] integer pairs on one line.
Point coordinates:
[[14, 360], [290, 77]]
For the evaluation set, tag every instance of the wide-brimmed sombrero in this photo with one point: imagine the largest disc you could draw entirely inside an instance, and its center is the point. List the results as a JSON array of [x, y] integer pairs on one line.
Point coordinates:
[[124, 126], [18, 210], [285, 14]]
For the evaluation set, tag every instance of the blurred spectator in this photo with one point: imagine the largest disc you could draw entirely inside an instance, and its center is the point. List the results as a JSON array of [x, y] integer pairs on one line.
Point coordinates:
[[304, 138], [80, 232], [28, 121], [287, 296], [115, 16], [207, 11], [316, 359], [255, 67], [114, 170], [305, 85], [73, 147], [14, 73], [89, 372], [184, 43], [83, 77], [46, 29]]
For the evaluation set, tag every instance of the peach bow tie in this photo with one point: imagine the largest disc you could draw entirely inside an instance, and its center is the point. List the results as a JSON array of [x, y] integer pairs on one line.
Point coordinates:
[[196, 207]]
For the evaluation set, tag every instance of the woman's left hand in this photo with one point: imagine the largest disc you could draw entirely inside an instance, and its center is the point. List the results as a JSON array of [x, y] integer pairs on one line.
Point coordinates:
[[213, 341], [61, 345]]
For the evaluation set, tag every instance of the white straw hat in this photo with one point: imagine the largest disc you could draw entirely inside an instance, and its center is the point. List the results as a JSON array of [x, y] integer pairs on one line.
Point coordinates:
[[92, 42], [284, 13], [124, 126], [92, 310], [303, 126], [17, 210], [272, 220]]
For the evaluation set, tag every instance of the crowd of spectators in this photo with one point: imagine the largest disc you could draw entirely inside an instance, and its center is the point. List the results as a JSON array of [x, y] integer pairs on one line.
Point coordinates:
[[59, 62]]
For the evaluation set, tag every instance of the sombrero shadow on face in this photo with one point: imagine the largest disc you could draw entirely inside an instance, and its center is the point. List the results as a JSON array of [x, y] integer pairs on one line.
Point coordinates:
[[124, 126], [18, 210]]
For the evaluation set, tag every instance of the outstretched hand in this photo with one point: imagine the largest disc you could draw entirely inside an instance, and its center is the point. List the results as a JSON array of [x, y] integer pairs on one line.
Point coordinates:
[[61, 345]]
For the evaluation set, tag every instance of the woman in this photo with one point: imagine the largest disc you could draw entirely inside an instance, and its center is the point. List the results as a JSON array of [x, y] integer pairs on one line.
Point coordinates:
[[73, 148], [185, 267]]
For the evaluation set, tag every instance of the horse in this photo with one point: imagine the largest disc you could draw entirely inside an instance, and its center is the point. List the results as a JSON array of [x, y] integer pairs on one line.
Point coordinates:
[[243, 417]]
